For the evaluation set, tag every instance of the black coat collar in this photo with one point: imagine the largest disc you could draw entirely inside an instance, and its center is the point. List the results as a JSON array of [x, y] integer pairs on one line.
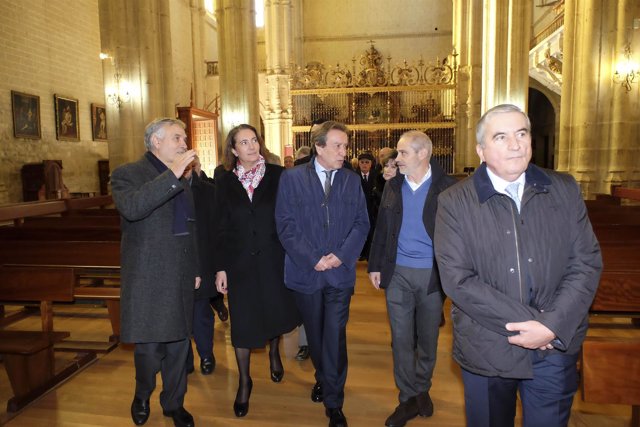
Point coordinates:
[[535, 178]]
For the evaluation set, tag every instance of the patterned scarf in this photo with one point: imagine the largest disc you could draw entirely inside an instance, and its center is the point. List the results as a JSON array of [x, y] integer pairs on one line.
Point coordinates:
[[250, 179]]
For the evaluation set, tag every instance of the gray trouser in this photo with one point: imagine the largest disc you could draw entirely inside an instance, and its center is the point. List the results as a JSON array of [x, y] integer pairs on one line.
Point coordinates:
[[414, 316]]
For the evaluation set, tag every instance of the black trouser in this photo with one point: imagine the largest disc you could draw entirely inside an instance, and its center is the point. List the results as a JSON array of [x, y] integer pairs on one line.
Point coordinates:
[[168, 358]]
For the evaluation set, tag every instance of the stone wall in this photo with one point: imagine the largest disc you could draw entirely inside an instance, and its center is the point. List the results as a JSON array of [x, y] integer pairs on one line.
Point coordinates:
[[335, 30], [46, 48]]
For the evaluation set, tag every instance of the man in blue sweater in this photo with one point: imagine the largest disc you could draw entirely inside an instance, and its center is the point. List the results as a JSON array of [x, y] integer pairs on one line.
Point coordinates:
[[401, 261]]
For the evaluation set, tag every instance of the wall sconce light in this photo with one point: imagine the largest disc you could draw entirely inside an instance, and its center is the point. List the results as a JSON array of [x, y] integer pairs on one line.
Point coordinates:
[[120, 92], [627, 71]]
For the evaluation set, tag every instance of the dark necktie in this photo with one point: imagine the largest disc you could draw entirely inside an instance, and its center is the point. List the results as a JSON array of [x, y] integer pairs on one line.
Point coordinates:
[[327, 182]]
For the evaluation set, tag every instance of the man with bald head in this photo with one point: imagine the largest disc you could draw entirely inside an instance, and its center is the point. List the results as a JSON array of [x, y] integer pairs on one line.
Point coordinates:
[[401, 262], [521, 264]]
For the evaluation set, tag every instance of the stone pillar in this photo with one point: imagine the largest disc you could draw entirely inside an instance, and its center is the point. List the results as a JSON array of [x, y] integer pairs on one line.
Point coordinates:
[[238, 64], [137, 37], [198, 16], [467, 33], [279, 45], [505, 64], [598, 120], [623, 159]]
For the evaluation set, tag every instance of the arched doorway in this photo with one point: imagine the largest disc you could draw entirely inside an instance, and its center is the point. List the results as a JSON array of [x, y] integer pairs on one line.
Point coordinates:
[[543, 122]]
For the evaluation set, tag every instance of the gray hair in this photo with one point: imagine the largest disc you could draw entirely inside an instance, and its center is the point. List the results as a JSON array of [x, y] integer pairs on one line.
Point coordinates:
[[498, 109], [418, 140], [303, 151], [157, 128]]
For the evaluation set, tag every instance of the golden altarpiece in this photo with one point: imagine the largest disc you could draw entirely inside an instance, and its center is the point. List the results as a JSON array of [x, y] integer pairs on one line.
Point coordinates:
[[379, 102]]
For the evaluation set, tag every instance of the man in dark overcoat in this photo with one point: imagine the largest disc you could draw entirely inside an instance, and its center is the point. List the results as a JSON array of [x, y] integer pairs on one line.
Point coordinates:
[[322, 222], [159, 266]]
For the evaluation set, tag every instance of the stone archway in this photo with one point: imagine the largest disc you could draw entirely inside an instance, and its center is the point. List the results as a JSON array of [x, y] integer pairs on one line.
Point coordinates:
[[543, 129]]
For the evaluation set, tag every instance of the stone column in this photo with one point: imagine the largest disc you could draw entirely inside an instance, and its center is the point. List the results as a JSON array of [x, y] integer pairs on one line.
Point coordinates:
[[279, 45], [137, 37], [198, 16], [623, 159], [505, 64], [238, 64], [598, 119], [467, 33]]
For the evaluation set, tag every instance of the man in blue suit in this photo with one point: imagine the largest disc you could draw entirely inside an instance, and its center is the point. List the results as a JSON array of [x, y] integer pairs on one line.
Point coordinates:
[[322, 221]]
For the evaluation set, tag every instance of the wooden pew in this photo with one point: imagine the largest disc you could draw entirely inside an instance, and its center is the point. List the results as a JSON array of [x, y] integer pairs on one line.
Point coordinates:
[[28, 355], [30, 364], [72, 221], [95, 261], [16, 212], [611, 214], [71, 233], [610, 373], [61, 253]]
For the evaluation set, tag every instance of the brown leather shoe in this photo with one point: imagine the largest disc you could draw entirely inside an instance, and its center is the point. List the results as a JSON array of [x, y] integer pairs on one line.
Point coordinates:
[[404, 412], [425, 405]]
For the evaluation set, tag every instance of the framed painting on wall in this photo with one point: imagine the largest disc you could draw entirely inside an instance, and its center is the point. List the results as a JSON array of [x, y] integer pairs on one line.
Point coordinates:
[[99, 122], [26, 115], [67, 128]]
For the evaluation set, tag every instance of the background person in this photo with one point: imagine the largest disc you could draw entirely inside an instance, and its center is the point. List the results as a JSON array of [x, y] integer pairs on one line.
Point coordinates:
[[203, 318]]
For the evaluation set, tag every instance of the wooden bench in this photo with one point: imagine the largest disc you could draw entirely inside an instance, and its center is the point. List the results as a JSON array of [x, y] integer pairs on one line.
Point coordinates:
[[17, 212], [70, 233], [71, 221], [30, 364], [48, 284], [610, 373]]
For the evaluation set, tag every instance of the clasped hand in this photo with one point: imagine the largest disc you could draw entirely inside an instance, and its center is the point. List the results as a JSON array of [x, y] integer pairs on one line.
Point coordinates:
[[531, 334], [328, 262]]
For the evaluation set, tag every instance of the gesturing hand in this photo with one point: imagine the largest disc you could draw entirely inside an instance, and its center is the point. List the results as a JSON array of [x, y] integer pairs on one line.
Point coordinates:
[[181, 162]]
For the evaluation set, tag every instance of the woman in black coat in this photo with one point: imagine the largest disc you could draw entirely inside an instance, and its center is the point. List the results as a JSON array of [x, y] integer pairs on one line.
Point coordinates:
[[250, 258]]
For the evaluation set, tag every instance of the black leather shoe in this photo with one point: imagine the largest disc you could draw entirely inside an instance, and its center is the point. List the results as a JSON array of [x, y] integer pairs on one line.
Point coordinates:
[[140, 411], [404, 412], [316, 393], [207, 365], [276, 376], [336, 417], [425, 405], [242, 408], [181, 418], [303, 353]]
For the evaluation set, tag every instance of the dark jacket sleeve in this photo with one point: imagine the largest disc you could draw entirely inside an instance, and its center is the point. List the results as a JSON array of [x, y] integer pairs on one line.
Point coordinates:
[[582, 275]]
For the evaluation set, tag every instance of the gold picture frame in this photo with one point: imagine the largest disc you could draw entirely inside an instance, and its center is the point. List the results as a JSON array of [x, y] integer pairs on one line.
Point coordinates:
[[26, 115], [67, 126], [99, 122]]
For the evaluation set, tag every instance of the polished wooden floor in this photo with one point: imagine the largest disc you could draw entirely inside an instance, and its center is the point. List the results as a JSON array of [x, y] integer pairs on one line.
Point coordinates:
[[101, 394]]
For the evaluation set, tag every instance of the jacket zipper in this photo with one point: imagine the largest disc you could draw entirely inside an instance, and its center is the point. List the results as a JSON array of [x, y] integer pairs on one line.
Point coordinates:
[[515, 235]]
